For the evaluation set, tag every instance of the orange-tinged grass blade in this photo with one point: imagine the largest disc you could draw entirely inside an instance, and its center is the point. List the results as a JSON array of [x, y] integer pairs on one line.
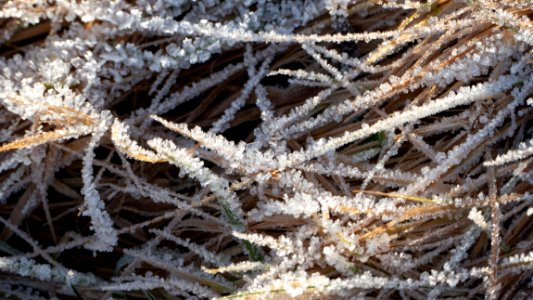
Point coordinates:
[[393, 227], [394, 195], [417, 211], [349, 210], [423, 210], [69, 115], [378, 230], [131, 149], [390, 228], [72, 116], [141, 156], [408, 20], [34, 140], [146, 158]]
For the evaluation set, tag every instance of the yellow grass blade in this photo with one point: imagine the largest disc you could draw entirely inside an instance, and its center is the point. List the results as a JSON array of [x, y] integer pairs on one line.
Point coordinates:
[[394, 195], [129, 147], [34, 140]]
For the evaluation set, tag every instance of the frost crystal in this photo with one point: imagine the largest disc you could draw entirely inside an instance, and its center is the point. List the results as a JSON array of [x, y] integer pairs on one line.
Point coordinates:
[[327, 149]]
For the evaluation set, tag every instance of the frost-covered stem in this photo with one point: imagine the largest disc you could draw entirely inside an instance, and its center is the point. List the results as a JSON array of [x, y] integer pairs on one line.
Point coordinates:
[[101, 222], [229, 114], [493, 288], [455, 156], [36, 248], [464, 96]]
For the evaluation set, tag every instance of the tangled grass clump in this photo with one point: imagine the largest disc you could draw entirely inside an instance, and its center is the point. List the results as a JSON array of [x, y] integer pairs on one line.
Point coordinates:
[[157, 149]]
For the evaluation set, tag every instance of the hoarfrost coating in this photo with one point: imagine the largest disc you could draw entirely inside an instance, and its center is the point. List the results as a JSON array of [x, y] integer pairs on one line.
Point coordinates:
[[266, 149]]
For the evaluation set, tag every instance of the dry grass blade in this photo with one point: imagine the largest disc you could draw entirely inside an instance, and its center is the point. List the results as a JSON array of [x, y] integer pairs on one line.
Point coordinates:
[[35, 140], [266, 149], [395, 195]]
